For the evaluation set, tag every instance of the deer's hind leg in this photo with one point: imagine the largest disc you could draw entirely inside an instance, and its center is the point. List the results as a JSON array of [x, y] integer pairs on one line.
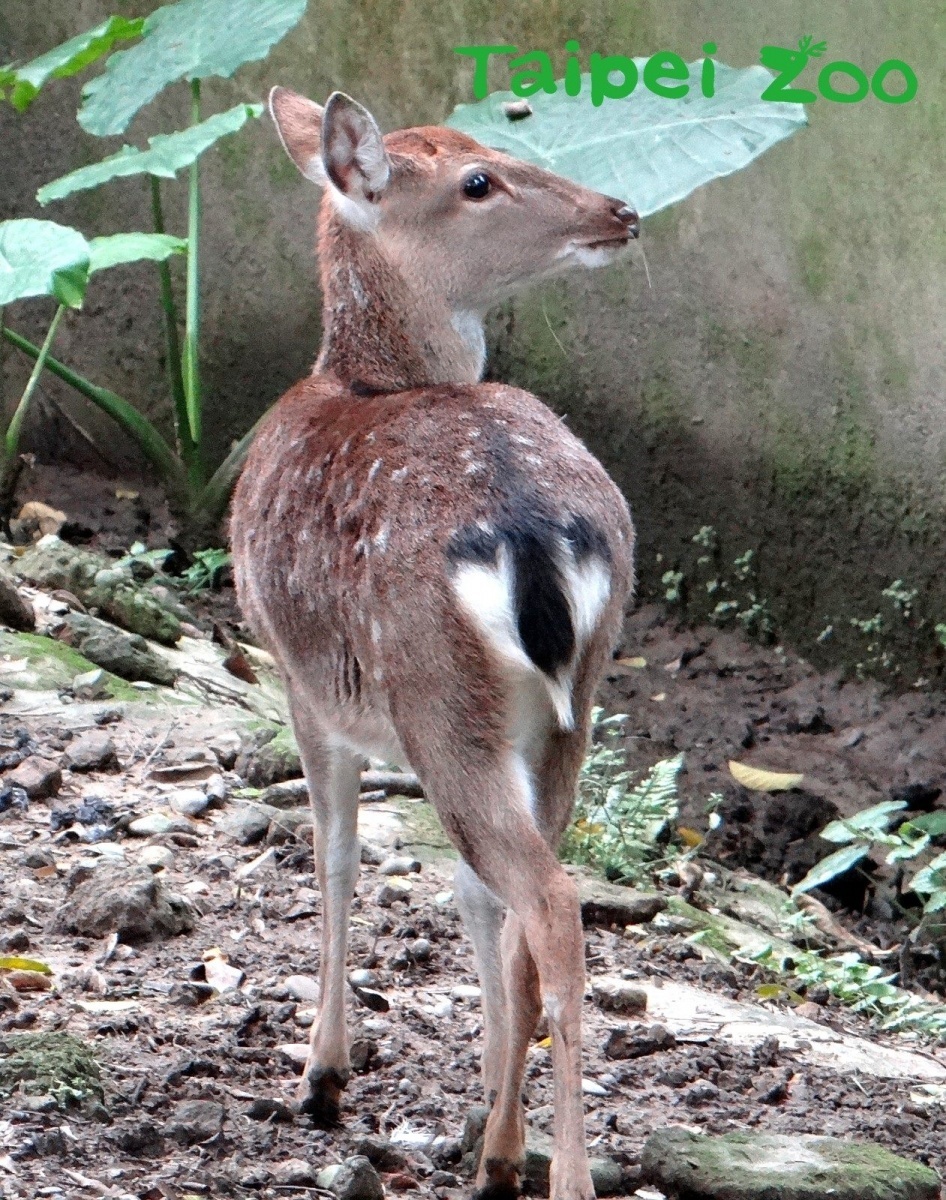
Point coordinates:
[[332, 774]]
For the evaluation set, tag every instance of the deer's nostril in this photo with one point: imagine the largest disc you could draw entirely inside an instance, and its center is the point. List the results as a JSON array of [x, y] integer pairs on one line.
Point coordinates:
[[630, 219]]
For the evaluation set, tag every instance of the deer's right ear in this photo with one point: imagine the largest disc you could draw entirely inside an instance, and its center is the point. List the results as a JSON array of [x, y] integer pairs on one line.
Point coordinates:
[[299, 124]]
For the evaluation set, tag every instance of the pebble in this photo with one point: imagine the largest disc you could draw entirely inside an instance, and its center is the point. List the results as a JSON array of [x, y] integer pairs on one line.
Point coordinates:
[[156, 857], [442, 899], [217, 790], [399, 866], [443, 1008], [466, 991], [94, 751], [362, 978], [637, 1041], [90, 685], [39, 777], [391, 892], [189, 802], [617, 995], [294, 1172], [591, 1088], [195, 1121], [354, 1179], [303, 987]]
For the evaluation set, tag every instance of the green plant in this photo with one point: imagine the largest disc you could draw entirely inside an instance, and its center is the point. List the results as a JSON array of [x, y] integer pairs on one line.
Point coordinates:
[[619, 825], [191, 40], [204, 571], [870, 830]]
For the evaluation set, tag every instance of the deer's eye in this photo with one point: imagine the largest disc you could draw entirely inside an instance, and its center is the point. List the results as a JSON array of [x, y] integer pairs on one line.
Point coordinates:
[[477, 186]]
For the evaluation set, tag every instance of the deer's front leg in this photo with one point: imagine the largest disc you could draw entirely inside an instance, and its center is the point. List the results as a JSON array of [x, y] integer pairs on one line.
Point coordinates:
[[333, 778]]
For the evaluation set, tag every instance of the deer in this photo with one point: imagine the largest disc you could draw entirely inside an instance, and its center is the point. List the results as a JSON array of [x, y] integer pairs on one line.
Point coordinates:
[[440, 570]]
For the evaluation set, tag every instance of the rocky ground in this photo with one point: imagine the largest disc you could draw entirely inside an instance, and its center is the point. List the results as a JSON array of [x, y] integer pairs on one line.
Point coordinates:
[[179, 916]]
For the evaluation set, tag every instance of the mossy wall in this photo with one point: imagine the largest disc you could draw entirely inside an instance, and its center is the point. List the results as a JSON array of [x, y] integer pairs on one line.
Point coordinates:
[[782, 380]]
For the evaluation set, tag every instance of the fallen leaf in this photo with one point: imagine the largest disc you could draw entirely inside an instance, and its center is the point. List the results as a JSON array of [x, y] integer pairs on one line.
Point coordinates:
[[758, 779], [106, 1006], [125, 494], [690, 837], [659, 696], [14, 963], [543, 1045], [636, 662]]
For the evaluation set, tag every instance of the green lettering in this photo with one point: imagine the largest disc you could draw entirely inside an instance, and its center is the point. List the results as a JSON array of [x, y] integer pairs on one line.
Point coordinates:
[[911, 83], [790, 63], [601, 67], [481, 55], [541, 79], [708, 72], [852, 71], [666, 66], [572, 70]]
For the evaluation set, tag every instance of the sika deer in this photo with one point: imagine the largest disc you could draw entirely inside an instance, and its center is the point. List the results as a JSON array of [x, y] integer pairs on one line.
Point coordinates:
[[440, 569]]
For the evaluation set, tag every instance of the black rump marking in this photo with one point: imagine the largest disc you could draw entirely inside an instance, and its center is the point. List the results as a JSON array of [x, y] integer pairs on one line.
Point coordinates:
[[543, 615]]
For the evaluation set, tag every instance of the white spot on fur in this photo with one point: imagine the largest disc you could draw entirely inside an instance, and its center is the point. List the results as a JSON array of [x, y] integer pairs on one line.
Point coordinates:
[[522, 439], [361, 298], [381, 537], [344, 450], [359, 214], [375, 468], [474, 469], [375, 631], [589, 587], [400, 474]]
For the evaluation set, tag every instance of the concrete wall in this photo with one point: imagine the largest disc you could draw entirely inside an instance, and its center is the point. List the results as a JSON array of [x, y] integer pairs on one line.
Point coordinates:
[[782, 381]]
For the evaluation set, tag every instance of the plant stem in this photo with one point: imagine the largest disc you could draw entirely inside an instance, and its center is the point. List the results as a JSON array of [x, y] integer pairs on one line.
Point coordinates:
[[192, 327], [172, 340], [11, 439], [134, 423]]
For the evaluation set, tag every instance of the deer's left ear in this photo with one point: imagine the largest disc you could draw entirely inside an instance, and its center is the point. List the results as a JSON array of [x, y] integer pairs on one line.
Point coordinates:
[[299, 123], [353, 152]]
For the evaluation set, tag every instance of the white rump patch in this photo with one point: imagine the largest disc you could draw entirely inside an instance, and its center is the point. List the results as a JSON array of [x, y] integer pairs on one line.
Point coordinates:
[[589, 588]]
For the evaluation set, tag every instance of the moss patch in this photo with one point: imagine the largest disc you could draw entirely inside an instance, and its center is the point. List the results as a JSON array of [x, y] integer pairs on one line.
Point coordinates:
[[50, 1064]]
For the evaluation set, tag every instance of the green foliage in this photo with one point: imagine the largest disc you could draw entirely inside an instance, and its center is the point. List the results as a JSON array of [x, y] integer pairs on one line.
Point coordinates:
[[864, 987], [641, 148], [24, 83], [191, 40], [619, 827], [167, 154], [41, 258], [204, 571], [870, 830]]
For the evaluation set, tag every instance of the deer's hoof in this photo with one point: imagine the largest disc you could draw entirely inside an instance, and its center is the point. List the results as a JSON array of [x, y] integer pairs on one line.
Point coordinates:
[[321, 1099], [502, 1181]]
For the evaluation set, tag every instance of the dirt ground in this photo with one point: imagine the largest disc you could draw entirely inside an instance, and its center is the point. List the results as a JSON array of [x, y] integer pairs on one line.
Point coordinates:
[[712, 695]]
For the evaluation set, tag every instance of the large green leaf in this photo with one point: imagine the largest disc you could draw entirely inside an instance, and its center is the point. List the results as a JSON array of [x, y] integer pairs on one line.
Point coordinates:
[[189, 40], [68, 59], [41, 258], [132, 247], [646, 149], [831, 867], [167, 153], [870, 822]]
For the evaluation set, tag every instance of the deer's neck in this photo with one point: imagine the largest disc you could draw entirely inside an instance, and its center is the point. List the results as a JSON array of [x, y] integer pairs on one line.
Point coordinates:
[[382, 331]]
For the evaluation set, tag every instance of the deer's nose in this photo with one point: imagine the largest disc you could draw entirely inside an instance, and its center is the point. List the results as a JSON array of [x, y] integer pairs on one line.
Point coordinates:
[[629, 217]]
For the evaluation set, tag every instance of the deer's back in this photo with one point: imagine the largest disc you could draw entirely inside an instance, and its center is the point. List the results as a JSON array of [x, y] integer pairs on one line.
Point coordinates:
[[353, 515]]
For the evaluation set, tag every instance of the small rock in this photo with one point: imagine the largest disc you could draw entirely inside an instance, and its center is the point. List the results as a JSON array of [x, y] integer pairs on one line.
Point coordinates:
[[15, 610], [362, 978], [466, 991], [189, 802], [249, 823], [399, 866], [638, 1041], [39, 777], [125, 654], [154, 824], [356, 1179], [701, 1093], [127, 900], [156, 857], [303, 987], [291, 793], [93, 751], [35, 859], [617, 995], [267, 1109], [217, 790], [384, 1155], [608, 904], [606, 1175], [371, 854], [91, 685], [363, 1050], [392, 891], [195, 1121], [294, 1172], [592, 1088], [746, 1166]]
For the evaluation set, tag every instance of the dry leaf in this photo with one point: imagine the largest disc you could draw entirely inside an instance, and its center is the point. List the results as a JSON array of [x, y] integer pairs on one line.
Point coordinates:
[[690, 837], [13, 962], [636, 662], [103, 1007], [659, 696], [125, 494], [758, 779]]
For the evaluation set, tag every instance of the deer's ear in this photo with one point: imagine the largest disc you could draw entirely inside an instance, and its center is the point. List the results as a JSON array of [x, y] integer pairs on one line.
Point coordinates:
[[353, 152], [299, 123]]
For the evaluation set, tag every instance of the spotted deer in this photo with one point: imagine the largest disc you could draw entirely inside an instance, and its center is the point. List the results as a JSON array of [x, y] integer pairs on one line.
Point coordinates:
[[440, 569]]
